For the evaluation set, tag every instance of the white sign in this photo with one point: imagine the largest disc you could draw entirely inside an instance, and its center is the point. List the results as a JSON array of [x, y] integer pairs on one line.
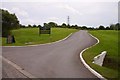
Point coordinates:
[[99, 58]]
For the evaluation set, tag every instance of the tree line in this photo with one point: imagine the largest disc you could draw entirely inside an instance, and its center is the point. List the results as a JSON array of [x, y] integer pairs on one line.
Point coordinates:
[[53, 24], [10, 22]]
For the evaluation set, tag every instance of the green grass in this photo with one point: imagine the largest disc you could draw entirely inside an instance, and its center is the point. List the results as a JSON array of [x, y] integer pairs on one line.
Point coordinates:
[[109, 43], [25, 35]]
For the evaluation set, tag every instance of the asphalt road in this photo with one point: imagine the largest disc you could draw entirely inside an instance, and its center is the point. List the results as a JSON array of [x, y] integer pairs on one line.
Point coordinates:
[[9, 71], [57, 60]]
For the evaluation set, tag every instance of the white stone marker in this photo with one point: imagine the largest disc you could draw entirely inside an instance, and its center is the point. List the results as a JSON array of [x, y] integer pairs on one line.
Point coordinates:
[[99, 58]]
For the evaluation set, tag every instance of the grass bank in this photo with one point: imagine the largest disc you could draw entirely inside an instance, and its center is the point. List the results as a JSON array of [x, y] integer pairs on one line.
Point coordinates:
[[109, 43], [30, 35]]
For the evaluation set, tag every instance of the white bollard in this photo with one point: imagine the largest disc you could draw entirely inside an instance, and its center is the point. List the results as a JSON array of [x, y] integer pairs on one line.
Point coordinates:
[[99, 58]]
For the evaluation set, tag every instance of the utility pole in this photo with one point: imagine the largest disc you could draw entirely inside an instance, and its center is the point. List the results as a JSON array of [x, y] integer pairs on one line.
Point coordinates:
[[68, 20]]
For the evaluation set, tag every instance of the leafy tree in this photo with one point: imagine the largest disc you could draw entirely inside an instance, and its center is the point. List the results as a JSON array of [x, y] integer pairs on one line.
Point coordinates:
[[22, 26], [63, 25], [90, 28], [84, 27], [107, 28], [47, 26], [29, 26], [34, 26], [112, 27], [52, 24], [9, 22], [117, 26], [76, 26], [59, 26], [39, 26], [72, 26], [101, 27], [68, 26]]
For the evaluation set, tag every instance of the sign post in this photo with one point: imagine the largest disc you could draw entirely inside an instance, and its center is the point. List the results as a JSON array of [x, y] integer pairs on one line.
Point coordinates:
[[46, 29]]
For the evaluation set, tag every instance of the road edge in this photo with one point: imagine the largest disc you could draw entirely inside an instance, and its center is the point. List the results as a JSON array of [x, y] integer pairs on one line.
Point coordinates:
[[43, 44], [86, 65], [18, 68]]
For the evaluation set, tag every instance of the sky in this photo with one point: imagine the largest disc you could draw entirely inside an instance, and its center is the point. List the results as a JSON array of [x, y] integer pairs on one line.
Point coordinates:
[[92, 13]]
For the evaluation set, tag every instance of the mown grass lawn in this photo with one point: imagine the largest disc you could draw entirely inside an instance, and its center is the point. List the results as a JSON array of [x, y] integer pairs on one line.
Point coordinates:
[[26, 35], [108, 42]]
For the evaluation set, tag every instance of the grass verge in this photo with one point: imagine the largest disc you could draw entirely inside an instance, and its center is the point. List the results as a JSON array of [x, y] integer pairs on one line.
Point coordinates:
[[108, 42], [30, 35]]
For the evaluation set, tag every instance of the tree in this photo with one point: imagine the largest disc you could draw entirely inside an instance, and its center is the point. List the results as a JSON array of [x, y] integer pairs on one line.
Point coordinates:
[[63, 25], [112, 27], [107, 28], [22, 26], [90, 28], [52, 24], [9, 22], [76, 26], [101, 27], [68, 26], [29, 26], [34, 26], [117, 26], [39, 26], [84, 27]]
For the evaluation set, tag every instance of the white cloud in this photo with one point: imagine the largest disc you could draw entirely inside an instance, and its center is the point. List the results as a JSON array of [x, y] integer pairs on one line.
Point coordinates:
[[30, 21], [19, 12], [5, 9], [53, 18], [69, 8]]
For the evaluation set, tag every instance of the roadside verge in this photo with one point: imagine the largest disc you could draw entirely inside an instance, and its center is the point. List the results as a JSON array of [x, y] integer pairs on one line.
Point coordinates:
[[43, 44], [86, 65]]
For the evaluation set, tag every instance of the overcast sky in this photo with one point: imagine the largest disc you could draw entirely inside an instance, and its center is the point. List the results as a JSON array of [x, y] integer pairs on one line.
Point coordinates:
[[86, 13]]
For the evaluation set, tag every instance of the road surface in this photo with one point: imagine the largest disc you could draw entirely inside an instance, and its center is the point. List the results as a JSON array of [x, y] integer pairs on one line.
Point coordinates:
[[56, 60]]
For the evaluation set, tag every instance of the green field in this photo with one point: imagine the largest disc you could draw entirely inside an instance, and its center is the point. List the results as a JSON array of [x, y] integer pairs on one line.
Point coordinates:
[[108, 42], [30, 35]]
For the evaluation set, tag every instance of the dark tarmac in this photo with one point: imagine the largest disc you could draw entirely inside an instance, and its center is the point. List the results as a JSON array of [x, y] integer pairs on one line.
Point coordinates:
[[56, 60]]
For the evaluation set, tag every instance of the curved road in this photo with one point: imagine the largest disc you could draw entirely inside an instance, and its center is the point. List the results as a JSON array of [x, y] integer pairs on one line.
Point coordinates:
[[56, 60]]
